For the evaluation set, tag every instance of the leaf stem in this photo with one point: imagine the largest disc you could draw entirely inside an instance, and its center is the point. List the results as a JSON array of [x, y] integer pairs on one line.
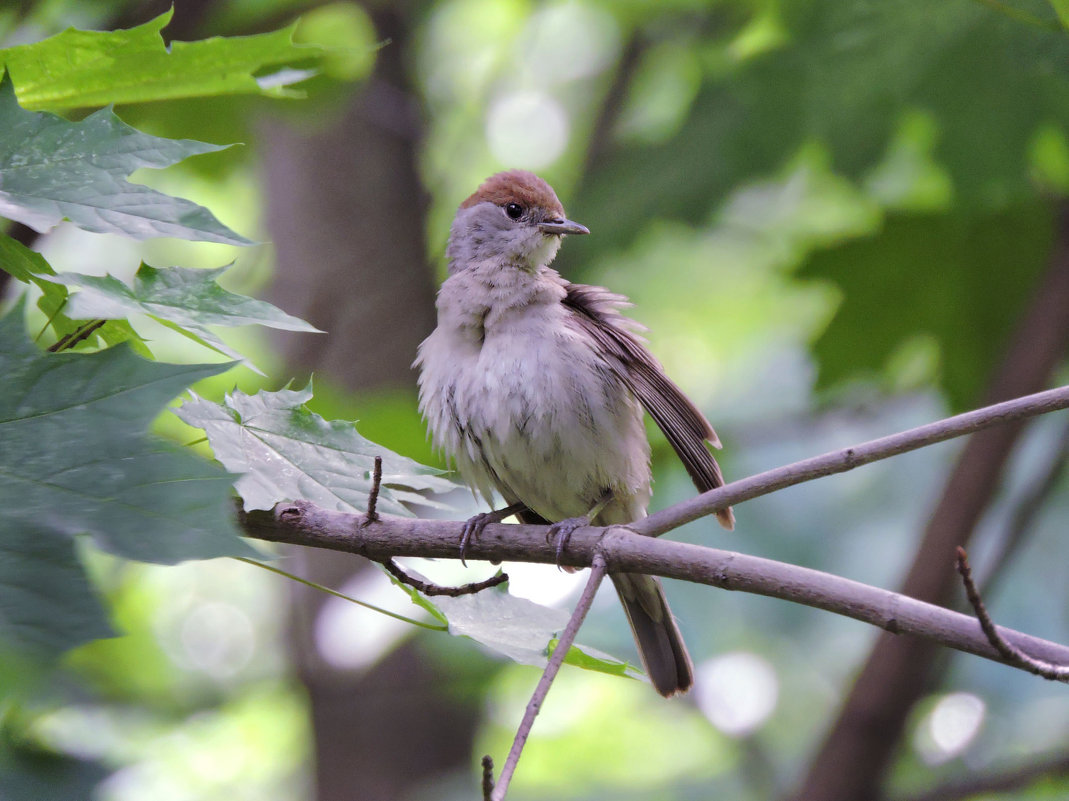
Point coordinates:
[[422, 624], [48, 322]]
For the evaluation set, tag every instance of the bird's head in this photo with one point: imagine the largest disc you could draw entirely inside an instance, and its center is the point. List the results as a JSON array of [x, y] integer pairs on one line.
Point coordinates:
[[514, 217]]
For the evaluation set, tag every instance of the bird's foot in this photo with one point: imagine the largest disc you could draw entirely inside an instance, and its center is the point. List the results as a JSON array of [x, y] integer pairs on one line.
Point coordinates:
[[473, 528], [562, 532]]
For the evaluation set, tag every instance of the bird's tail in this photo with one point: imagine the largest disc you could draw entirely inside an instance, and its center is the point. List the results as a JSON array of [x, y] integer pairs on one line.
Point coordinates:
[[659, 642]]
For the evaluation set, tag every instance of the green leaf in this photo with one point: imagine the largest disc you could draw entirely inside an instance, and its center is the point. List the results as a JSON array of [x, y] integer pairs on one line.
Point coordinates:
[[29, 267], [1061, 8], [587, 658], [182, 298], [522, 630], [287, 452], [52, 170], [76, 460], [32, 774], [191, 298], [75, 69], [46, 603], [25, 265]]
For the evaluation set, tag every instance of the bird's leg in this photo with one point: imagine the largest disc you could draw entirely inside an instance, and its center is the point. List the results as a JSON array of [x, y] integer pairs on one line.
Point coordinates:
[[475, 525], [562, 530]]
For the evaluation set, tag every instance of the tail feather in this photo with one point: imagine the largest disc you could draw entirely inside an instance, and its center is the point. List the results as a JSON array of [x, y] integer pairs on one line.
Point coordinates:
[[660, 645]]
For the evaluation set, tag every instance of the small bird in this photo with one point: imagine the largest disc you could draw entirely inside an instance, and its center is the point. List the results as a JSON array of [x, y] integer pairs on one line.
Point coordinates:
[[535, 388]]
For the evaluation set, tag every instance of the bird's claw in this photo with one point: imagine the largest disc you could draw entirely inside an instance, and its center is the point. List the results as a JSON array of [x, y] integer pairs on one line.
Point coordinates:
[[562, 532], [473, 528]]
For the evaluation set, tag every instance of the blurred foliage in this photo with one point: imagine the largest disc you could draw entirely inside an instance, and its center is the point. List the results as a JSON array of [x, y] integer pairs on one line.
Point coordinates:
[[952, 111], [960, 280], [43, 775], [830, 215]]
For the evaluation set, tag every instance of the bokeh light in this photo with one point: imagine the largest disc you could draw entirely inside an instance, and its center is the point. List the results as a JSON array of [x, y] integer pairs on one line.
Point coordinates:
[[352, 637], [737, 692], [950, 727], [527, 128]]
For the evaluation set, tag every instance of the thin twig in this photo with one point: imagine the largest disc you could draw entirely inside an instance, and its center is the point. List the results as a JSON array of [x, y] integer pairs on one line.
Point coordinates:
[[73, 338], [488, 777], [429, 588], [373, 495], [1015, 656], [599, 568], [1001, 780], [848, 458]]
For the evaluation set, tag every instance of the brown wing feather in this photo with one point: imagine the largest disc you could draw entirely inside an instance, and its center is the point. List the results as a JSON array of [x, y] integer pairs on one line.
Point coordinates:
[[685, 427]]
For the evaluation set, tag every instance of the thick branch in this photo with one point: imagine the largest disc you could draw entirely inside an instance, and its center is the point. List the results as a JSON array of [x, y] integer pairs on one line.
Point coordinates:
[[303, 523], [849, 458]]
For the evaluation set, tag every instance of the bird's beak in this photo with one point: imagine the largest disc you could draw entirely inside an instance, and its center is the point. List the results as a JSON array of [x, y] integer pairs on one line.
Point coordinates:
[[562, 227]]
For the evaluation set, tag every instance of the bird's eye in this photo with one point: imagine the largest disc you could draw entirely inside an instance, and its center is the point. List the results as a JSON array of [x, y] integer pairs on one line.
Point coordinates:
[[514, 211]]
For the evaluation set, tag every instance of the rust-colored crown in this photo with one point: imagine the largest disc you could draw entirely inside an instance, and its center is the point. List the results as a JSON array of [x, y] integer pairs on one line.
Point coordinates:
[[517, 186]]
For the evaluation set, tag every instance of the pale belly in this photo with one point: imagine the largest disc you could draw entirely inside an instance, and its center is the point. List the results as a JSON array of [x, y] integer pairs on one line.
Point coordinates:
[[541, 420]]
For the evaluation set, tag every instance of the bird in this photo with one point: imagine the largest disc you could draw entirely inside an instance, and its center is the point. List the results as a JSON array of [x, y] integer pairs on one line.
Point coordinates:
[[534, 387]]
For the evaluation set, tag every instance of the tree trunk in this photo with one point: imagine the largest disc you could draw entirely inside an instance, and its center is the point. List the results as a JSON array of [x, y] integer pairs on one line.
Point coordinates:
[[346, 213]]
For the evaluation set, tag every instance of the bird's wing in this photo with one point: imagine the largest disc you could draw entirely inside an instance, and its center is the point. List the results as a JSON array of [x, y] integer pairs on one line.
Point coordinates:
[[596, 311]]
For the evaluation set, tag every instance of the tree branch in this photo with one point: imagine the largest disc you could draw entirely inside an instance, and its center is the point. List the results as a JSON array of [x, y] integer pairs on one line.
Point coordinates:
[[303, 523], [1006, 780], [856, 755], [848, 458], [598, 570], [1010, 654]]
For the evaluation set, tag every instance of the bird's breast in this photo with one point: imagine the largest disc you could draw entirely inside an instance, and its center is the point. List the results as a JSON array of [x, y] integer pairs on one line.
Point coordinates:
[[531, 409]]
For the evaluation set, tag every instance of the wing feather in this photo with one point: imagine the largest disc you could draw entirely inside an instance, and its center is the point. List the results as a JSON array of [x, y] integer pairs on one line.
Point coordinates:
[[685, 427]]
